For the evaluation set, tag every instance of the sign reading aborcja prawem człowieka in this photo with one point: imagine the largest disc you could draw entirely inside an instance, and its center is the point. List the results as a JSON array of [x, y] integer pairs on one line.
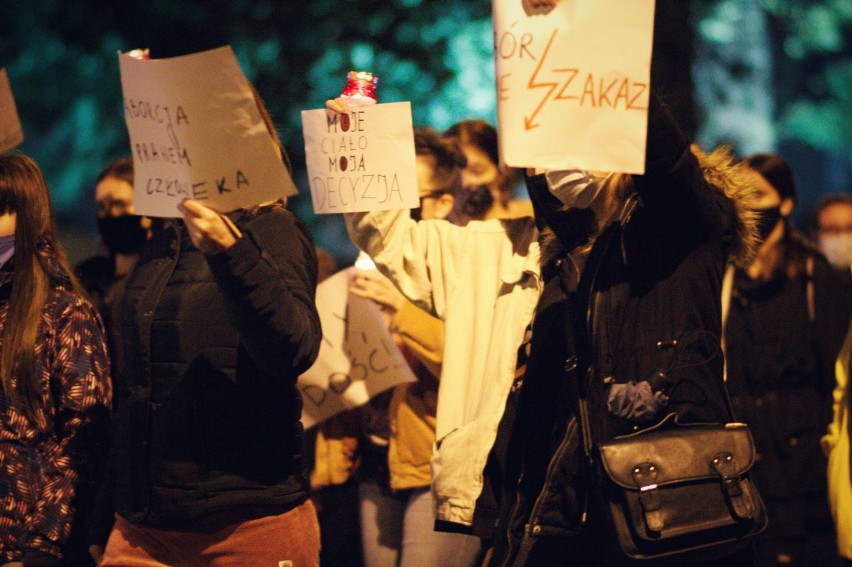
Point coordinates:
[[196, 133]]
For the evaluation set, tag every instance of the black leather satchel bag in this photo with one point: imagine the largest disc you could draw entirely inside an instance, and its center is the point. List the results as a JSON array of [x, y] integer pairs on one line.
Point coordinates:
[[670, 494], [678, 493]]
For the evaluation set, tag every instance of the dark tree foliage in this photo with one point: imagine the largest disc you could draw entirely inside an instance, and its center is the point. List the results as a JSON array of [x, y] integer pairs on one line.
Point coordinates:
[[61, 57]]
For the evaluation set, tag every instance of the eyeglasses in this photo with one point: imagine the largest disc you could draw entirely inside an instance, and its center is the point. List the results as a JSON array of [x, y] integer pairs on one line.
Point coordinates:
[[436, 193], [433, 194], [834, 230]]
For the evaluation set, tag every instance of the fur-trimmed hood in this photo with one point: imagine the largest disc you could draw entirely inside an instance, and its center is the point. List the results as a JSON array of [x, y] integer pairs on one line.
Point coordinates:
[[730, 177], [734, 180]]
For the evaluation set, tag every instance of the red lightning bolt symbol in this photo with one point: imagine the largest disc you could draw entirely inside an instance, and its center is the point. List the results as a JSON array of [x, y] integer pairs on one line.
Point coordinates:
[[528, 122]]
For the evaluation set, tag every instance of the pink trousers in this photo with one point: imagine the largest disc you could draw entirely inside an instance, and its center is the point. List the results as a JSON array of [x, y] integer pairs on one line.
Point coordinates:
[[289, 540]]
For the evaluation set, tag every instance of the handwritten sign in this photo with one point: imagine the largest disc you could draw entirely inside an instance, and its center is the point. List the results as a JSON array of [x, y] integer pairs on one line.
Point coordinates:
[[196, 132], [573, 83], [362, 160], [357, 357], [11, 133]]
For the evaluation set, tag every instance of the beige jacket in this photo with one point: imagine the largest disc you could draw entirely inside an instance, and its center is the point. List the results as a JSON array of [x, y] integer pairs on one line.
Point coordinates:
[[483, 281]]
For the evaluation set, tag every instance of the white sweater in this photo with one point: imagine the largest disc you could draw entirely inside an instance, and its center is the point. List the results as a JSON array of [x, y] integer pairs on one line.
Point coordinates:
[[483, 281]]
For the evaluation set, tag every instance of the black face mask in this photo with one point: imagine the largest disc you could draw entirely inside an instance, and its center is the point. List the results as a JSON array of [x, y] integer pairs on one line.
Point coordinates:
[[123, 234], [766, 220], [476, 200]]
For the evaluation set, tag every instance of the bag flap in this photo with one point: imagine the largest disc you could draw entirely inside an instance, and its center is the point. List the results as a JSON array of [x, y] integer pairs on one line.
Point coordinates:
[[679, 453]]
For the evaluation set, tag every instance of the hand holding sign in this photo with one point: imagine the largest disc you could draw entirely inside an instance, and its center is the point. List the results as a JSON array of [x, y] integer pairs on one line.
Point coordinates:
[[360, 158], [573, 82], [372, 285], [211, 232], [358, 358], [336, 105]]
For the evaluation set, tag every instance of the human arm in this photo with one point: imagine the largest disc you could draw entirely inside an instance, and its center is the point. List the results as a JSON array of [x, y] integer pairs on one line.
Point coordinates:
[[693, 192], [268, 279], [80, 377], [422, 333], [410, 253], [422, 259]]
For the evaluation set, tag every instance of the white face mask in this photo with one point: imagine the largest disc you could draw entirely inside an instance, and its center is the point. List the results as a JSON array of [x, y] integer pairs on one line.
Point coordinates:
[[837, 249], [576, 188]]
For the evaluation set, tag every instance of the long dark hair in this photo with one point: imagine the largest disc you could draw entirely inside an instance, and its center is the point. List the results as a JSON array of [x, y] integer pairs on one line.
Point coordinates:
[[23, 191], [776, 171], [795, 249]]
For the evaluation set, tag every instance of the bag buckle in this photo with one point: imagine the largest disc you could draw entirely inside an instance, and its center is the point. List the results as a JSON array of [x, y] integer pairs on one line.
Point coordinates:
[[740, 501], [645, 477]]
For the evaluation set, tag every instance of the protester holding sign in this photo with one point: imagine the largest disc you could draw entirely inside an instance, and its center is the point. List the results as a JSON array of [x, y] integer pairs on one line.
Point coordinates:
[[54, 370], [628, 323], [650, 269], [218, 322], [396, 502], [482, 281]]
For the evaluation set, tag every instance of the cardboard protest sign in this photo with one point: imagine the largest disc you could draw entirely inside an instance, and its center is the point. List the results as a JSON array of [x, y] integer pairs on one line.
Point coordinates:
[[357, 357], [362, 160], [573, 83], [196, 132], [11, 133]]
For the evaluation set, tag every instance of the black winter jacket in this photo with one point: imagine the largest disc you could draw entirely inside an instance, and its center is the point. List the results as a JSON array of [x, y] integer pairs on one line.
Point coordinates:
[[781, 351], [646, 306], [208, 425]]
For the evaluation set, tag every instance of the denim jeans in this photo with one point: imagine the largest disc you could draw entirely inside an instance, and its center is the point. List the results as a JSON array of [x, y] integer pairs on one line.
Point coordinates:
[[397, 530]]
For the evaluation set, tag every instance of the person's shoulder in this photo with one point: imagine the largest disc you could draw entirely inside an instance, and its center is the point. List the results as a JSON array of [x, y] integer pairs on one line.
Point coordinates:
[[275, 227], [64, 302]]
